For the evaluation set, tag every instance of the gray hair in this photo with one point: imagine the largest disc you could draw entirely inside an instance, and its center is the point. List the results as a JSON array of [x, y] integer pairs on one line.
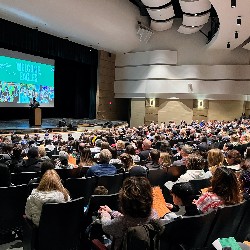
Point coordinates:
[[105, 155]]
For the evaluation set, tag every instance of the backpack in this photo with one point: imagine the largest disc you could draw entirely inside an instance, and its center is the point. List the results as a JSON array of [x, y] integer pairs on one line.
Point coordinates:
[[144, 237]]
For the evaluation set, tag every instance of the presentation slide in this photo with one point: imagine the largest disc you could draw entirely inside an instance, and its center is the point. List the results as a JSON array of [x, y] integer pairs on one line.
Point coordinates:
[[22, 79]]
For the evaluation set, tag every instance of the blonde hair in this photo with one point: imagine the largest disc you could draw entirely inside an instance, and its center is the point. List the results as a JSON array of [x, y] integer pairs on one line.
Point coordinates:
[[165, 159], [52, 182], [120, 144], [41, 151]]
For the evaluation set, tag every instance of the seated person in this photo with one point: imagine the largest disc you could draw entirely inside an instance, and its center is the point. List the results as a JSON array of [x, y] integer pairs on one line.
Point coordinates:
[[224, 190], [136, 201], [63, 162], [195, 165], [33, 163], [46, 165], [103, 167], [154, 157], [183, 196], [49, 190], [245, 178]]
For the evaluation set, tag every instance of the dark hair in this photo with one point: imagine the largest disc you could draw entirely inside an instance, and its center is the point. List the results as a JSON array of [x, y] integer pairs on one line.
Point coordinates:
[[136, 197], [17, 150], [33, 152], [235, 155], [130, 149], [113, 152], [127, 160], [226, 185], [185, 192], [104, 145], [45, 166], [101, 190], [155, 155]]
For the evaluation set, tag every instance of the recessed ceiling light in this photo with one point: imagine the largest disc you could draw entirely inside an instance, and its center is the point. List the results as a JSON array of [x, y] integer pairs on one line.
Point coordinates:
[[238, 20], [236, 34], [228, 45], [233, 3]]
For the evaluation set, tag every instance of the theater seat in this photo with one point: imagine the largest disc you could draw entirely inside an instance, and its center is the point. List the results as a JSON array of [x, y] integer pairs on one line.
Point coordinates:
[[59, 228], [81, 187], [187, 233], [13, 200]]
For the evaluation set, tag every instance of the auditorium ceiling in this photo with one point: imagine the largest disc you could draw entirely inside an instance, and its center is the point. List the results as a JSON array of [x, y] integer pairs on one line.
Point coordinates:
[[114, 25]]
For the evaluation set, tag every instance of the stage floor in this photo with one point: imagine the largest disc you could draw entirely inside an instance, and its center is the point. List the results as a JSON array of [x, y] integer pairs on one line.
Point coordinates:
[[52, 124]]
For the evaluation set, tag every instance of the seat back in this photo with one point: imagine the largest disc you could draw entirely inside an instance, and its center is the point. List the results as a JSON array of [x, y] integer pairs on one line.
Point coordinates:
[[13, 200], [112, 182], [60, 225], [143, 237], [189, 232], [227, 222], [96, 201], [157, 177], [174, 172], [23, 177], [81, 187], [68, 173], [244, 227], [200, 184]]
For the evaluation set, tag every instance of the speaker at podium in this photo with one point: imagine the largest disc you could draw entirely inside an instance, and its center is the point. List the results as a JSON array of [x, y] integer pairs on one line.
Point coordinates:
[[35, 118]]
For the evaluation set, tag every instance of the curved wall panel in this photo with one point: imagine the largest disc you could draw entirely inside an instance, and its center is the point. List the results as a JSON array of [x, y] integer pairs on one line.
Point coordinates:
[[194, 7], [155, 3], [161, 14], [161, 26], [166, 57], [205, 72], [195, 20], [188, 30]]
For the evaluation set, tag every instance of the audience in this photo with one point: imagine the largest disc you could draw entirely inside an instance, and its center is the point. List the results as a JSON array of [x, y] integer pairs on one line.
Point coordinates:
[[153, 146]]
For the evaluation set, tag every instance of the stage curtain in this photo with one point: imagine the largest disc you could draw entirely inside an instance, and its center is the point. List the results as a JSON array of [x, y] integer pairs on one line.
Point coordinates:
[[75, 71]]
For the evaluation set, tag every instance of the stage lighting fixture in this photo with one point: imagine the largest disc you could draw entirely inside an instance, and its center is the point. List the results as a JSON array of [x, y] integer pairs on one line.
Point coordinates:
[[233, 3], [239, 20], [228, 45], [236, 34]]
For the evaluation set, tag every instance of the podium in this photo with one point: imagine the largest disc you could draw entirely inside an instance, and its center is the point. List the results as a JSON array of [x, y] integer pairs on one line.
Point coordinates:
[[35, 118]]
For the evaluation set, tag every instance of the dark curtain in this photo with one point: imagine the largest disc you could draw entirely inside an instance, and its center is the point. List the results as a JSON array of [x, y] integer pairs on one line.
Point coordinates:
[[75, 71]]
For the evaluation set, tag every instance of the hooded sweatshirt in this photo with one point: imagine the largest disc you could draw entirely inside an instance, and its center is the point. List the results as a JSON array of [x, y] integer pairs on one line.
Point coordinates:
[[188, 176]]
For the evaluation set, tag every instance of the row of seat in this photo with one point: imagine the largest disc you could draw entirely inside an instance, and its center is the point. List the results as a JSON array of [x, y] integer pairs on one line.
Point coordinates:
[[199, 232], [171, 173], [60, 225]]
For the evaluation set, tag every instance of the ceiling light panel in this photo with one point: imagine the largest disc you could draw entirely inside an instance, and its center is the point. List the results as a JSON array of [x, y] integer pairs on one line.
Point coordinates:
[[161, 14], [155, 3], [161, 26], [194, 7], [195, 20]]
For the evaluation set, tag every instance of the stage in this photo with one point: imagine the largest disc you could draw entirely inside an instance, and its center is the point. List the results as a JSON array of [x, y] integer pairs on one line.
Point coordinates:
[[52, 125]]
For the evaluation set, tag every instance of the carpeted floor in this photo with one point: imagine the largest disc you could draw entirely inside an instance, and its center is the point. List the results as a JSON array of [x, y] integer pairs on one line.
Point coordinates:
[[15, 245]]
